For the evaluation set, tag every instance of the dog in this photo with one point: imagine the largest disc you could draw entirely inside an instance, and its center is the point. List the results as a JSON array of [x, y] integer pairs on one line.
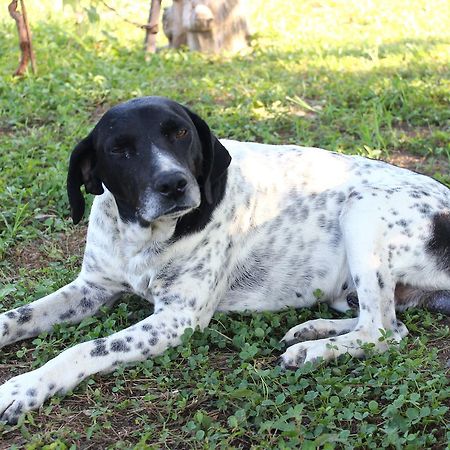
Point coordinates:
[[197, 225]]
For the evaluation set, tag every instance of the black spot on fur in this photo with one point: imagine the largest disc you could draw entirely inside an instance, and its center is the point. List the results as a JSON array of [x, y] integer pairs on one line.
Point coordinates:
[[67, 315], [356, 194], [380, 280], [340, 198], [100, 348], [439, 243], [425, 209], [86, 303], [25, 314], [352, 300], [321, 221], [192, 302], [169, 277], [31, 392], [118, 345]]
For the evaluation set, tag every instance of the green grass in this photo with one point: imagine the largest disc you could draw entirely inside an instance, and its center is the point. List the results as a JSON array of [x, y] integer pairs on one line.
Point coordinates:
[[370, 78]]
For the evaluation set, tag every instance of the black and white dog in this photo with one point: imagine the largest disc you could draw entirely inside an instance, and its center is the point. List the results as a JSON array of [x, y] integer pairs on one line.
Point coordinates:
[[197, 225]]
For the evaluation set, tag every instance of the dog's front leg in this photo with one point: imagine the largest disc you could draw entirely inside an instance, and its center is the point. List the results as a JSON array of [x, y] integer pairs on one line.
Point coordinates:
[[148, 338], [73, 302]]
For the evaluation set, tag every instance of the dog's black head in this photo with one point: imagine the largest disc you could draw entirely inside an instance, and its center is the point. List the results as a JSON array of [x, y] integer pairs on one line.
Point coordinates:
[[155, 156]]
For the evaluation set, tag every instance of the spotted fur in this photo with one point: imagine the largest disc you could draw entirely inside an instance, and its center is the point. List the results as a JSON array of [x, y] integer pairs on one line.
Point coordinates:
[[276, 225]]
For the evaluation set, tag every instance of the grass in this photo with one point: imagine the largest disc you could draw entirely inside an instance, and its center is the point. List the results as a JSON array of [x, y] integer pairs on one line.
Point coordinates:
[[370, 78]]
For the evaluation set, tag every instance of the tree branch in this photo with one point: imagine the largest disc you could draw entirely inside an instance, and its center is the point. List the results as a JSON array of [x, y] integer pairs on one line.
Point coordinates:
[[153, 28]]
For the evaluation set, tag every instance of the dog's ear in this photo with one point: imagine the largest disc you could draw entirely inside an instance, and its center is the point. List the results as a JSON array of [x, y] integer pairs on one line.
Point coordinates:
[[82, 171], [216, 158]]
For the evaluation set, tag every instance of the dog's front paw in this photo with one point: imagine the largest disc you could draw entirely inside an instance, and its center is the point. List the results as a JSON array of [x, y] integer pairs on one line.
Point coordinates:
[[329, 349], [21, 394], [292, 360], [310, 351]]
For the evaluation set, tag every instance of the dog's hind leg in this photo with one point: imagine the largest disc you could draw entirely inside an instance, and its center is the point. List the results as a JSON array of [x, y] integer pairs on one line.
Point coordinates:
[[73, 302], [375, 284]]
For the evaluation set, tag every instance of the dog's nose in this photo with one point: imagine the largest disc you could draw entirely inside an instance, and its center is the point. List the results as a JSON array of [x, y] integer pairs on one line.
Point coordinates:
[[171, 184]]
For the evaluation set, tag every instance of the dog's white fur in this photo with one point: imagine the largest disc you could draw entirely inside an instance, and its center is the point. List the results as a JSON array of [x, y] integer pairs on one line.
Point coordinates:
[[293, 220]]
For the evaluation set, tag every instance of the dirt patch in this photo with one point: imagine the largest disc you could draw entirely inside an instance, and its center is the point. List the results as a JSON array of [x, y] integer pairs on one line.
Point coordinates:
[[413, 131], [6, 130], [427, 165], [407, 160], [442, 344], [443, 347], [40, 252]]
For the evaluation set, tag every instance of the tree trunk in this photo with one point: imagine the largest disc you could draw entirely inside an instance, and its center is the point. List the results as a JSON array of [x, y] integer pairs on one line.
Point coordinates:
[[152, 27], [24, 32], [209, 26]]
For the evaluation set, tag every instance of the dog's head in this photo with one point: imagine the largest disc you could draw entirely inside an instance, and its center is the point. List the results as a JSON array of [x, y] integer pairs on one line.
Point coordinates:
[[155, 156]]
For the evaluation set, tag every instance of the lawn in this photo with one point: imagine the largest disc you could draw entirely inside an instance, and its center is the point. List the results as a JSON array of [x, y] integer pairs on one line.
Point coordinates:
[[360, 77]]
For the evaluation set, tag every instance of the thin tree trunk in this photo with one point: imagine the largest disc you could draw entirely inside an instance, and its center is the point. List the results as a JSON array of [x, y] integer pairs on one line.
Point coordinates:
[[152, 28], [24, 38]]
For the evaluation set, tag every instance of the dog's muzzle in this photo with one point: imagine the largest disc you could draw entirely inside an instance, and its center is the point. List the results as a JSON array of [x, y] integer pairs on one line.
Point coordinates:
[[172, 195]]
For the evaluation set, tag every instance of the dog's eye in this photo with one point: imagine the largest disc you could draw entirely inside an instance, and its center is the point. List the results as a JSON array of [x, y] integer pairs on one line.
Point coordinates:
[[119, 150], [181, 133]]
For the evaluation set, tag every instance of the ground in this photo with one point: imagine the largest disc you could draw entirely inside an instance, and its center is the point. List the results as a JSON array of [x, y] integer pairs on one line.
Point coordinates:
[[369, 78]]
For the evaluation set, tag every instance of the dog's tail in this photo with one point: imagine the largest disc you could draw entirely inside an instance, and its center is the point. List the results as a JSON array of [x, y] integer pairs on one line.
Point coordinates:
[[436, 301]]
